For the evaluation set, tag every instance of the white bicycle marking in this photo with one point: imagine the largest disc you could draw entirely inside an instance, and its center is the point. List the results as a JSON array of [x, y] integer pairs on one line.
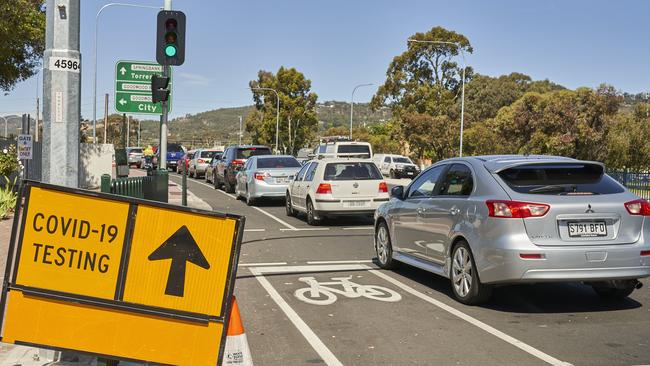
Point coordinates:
[[323, 293]]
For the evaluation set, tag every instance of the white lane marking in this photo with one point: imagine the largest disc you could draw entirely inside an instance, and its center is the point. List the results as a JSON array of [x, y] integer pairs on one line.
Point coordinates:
[[254, 230], [261, 264], [359, 228], [324, 293], [307, 229], [312, 268], [495, 332], [340, 262], [274, 218], [303, 328]]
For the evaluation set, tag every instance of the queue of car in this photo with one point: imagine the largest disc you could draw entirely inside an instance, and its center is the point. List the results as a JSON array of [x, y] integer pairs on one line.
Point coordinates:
[[481, 222]]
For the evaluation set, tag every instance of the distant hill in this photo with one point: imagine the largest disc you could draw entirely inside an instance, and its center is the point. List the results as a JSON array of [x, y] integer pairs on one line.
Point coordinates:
[[221, 126]]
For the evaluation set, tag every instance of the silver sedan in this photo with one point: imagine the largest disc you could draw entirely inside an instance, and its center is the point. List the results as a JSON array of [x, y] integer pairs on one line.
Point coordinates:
[[483, 221], [265, 176]]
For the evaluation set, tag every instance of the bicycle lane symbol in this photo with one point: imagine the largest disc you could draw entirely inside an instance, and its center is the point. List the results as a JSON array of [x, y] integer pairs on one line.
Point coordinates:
[[324, 293]]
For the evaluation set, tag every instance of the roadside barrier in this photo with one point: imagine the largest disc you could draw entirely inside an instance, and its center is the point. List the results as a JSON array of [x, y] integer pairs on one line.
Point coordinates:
[[152, 187], [237, 351]]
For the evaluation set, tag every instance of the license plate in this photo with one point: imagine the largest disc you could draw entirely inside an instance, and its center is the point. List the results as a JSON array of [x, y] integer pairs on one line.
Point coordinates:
[[356, 203], [281, 180], [409, 173], [587, 229]]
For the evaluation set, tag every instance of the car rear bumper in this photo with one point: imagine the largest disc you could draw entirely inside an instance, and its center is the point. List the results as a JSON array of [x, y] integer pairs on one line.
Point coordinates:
[[337, 207], [594, 263], [261, 189]]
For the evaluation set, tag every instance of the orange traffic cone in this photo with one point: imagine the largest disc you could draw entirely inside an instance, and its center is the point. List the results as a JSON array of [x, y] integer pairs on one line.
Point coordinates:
[[237, 351]]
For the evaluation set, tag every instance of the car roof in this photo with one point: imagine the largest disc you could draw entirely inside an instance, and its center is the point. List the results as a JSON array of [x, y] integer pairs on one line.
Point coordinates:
[[272, 156], [498, 163], [343, 160], [247, 146]]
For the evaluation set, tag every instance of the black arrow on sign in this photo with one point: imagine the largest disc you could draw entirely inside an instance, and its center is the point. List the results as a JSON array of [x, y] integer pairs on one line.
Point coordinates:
[[180, 248]]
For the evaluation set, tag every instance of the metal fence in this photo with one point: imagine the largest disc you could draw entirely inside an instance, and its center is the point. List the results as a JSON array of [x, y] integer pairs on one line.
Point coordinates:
[[153, 187], [637, 183]]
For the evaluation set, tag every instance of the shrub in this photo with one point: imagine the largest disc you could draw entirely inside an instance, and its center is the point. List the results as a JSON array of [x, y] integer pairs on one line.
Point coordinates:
[[9, 162], [7, 198]]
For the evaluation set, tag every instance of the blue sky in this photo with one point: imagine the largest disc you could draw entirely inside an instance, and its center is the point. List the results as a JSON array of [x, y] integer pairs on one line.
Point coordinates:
[[341, 43]]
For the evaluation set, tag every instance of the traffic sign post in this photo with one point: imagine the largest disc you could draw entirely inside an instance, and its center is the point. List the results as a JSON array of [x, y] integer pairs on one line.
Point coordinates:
[[123, 278], [25, 147], [133, 87]]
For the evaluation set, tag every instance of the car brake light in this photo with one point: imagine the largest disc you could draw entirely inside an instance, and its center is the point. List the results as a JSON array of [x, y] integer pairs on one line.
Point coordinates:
[[238, 162], [201, 161], [261, 176], [638, 207], [324, 188], [383, 187], [645, 253], [515, 209]]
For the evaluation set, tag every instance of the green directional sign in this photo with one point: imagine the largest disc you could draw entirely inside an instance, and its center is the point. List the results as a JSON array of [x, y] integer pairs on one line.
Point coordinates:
[[133, 87]]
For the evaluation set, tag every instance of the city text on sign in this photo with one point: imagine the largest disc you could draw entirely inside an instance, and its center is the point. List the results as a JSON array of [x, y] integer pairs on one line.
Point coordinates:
[[115, 262]]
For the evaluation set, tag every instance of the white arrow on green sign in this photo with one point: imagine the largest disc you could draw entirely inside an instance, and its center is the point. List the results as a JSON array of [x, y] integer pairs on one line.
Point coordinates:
[[133, 87]]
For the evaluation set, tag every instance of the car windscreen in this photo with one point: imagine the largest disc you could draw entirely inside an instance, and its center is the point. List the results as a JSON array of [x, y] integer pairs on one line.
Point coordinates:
[[402, 160], [284, 162], [174, 148], [560, 179], [207, 154], [247, 152], [351, 171]]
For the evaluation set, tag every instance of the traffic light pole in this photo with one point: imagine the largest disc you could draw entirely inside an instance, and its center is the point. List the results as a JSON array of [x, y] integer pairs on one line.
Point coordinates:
[[162, 162]]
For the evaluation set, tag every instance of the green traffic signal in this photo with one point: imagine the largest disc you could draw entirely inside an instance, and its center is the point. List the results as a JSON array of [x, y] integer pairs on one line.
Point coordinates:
[[170, 50]]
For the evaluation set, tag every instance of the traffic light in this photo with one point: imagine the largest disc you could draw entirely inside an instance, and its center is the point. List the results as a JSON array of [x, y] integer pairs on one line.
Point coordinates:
[[159, 91], [170, 38]]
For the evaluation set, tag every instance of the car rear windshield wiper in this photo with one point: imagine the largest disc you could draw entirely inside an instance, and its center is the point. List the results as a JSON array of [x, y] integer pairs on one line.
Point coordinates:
[[554, 188]]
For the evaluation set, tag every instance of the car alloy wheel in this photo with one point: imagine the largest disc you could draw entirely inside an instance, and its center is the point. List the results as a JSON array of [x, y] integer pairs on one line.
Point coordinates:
[[311, 218], [392, 174], [465, 283], [383, 246]]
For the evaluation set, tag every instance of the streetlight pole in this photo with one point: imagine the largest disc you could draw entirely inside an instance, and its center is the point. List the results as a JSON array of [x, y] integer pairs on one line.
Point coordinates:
[[352, 104], [7, 119], [462, 98], [240, 132], [95, 58], [277, 116]]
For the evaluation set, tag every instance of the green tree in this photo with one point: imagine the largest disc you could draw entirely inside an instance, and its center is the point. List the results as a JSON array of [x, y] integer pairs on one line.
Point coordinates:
[[627, 140], [298, 120], [22, 31]]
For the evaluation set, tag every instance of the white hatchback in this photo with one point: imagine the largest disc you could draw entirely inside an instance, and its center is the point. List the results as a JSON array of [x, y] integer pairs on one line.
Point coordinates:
[[336, 187]]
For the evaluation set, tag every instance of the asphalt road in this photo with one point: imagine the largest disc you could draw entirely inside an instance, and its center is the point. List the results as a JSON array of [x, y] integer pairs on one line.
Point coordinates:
[[367, 316]]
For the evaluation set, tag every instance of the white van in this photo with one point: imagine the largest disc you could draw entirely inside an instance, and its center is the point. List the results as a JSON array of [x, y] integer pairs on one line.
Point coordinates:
[[343, 149], [396, 166]]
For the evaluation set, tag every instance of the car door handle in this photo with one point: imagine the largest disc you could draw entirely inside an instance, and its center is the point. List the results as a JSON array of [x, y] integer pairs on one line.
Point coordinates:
[[454, 211]]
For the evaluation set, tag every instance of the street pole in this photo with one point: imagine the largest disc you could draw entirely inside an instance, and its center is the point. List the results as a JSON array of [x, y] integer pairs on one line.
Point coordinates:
[[128, 130], [105, 117], [61, 94], [277, 116], [462, 98], [95, 59], [240, 131], [162, 163], [139, 124], [37, 107], [352, 105]]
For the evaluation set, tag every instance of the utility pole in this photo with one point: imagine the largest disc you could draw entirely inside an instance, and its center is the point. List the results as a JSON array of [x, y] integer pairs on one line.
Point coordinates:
[[240, 131], [162, 163], [128, 130], [105, 117], [38, 117], [61, 93], [139, 124]]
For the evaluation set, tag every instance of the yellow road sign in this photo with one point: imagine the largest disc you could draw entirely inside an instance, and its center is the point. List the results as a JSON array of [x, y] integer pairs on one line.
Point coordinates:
[[179, 260], [72, 243], [119, 277]]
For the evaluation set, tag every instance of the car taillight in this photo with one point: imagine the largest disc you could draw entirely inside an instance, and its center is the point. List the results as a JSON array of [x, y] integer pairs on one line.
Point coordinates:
[[238, 162], [383, 187], [324, 188], [261, 176], [638, 207], [515, 209]]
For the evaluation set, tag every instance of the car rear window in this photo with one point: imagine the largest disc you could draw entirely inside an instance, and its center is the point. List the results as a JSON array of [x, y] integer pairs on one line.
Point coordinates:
[[560, 179], [174, 148], [351, 171], [284, 162], [207, 154], [135, 151], [354, 149], [247, 152]]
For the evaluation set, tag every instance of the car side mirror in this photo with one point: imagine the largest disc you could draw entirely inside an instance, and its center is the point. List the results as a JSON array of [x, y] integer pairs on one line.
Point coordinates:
[[397, 192]]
